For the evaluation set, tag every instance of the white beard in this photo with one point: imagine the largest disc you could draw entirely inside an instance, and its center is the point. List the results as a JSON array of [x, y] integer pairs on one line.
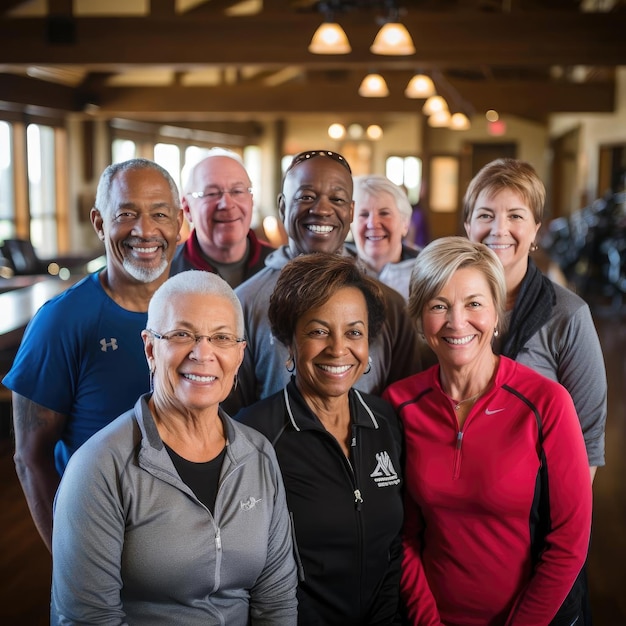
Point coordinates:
[[145, 274]]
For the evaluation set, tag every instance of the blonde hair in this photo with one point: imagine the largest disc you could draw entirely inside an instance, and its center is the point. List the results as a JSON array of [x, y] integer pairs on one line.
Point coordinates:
[[440, 259]]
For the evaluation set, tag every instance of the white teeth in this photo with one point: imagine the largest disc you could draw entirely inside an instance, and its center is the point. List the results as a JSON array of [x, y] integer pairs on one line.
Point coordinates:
[[316, 228], [335, 370], [375, 238], [146, 250], [459, 342], [502, 246], [199, 379]]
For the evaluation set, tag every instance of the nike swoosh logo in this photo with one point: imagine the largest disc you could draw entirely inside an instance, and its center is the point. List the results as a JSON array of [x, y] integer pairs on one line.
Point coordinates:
[[491, 412]]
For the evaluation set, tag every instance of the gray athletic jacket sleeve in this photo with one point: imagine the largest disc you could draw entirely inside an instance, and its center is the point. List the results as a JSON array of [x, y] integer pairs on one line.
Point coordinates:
[[567, 349]]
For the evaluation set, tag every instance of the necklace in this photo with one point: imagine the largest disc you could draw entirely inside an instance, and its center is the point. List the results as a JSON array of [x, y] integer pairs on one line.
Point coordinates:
[[457, 406]]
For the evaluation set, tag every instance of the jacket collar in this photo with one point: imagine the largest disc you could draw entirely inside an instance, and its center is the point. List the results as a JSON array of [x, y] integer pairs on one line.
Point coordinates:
[[302, 418]]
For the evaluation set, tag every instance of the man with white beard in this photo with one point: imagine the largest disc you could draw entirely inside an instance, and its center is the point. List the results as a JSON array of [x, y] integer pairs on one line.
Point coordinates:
[[81, 362]]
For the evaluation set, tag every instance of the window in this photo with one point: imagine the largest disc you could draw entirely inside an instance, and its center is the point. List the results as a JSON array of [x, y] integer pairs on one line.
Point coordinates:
[[42, 189], [193, 155], [167, 155], [123, 150], [7, 199], [444, 184], [406, 172]]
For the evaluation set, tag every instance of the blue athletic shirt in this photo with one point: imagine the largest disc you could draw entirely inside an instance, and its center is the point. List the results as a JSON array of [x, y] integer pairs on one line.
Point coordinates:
[[82, 356]]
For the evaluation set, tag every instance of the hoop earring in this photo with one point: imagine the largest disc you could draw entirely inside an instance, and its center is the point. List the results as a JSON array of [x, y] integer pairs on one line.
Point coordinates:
[[369, 365], [290, 368], [235, 383]]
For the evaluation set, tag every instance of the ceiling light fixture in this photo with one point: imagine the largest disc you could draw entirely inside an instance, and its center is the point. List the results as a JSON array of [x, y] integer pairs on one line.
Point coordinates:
[[492, 115], [434, 104], [459, 121], [337, 131], [330, 38], [373, 86], [420, 86], [355, 131], [393, 39], [374, 132], [440, 119]]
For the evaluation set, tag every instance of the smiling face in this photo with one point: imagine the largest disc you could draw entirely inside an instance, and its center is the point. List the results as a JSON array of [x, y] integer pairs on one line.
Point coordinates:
[[378, 228], [199, 376], [140, 226], [221, 225], [330, 345], [316, 206], [458, 323], [504, 222]]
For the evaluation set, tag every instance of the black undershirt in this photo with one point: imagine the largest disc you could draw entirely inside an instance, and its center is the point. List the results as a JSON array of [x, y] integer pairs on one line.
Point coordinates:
[[201, 478]]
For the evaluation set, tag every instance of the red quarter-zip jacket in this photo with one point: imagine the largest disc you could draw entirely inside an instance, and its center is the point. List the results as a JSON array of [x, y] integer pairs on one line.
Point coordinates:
[[467, 548]]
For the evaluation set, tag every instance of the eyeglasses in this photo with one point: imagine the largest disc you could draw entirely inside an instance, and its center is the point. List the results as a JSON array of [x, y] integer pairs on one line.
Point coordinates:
[[311, 154], [187, 338], [215, 195]]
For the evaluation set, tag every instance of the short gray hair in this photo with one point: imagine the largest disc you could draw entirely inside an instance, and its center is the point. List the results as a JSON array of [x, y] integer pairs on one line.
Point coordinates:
[[440, 259], [193, 282], [374, 184], [103, 193]]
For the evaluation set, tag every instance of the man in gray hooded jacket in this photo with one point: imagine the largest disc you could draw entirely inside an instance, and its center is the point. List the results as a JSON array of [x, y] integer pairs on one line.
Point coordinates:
[[316, 208]]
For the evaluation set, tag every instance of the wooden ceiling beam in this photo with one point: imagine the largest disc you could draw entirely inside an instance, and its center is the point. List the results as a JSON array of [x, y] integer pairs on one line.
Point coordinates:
[[532, 99], [441, 39], [30, 91]]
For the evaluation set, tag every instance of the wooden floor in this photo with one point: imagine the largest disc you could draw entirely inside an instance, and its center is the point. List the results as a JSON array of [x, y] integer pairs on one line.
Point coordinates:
[[25, 564]]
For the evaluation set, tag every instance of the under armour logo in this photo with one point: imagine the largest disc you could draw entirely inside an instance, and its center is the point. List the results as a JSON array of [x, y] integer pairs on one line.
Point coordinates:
[[384, 474], [105, 345], [250, 503]]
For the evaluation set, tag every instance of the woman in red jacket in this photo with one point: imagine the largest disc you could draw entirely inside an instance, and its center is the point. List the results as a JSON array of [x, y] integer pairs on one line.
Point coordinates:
[[498, 504]]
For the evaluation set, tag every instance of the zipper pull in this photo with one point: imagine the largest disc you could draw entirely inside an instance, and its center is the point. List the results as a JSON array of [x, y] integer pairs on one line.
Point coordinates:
[[218, 541], [358, 499], [459, 440]]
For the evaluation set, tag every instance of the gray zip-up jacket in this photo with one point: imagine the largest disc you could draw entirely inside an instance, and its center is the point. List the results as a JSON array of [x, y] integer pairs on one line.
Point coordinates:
[[133, 545]]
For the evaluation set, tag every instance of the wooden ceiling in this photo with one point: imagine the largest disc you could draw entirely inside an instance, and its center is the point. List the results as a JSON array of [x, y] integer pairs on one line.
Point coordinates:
[[202, 60]]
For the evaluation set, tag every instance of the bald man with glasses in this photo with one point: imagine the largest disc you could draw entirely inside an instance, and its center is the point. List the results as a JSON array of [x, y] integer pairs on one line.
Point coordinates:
[[217, 202]]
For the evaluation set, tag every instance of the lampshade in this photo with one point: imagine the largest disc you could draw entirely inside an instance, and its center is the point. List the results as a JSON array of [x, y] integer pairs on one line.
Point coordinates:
[[393, 39], [420, 86], [434, 104], [373, 86], [330, 38], [459, 121], [440, 119]]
